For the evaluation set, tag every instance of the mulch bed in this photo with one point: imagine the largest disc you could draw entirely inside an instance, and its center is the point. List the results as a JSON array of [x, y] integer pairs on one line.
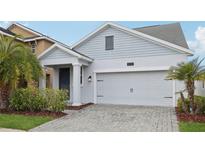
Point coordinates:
[[45, 113], [189, 117], [78, 107], [42, 113]]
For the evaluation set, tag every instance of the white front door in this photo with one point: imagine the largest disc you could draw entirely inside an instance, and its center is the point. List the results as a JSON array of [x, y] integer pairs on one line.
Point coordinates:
[[134, 88]]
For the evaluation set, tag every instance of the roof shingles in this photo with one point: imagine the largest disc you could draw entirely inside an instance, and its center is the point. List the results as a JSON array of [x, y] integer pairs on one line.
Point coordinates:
[[169, 32], [6, 31]]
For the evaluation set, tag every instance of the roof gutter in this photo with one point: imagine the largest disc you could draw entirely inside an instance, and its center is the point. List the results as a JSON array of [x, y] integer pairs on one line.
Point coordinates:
[[3, 33]]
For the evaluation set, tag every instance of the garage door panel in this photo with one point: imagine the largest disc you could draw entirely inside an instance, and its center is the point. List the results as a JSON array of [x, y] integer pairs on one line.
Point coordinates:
[[139, 88]]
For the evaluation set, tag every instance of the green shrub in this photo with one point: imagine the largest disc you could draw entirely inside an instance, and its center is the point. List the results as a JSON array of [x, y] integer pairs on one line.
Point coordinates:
[[200, 104], [199, 101], [56, 99], [29, 99], [33, 99], [179, 104]]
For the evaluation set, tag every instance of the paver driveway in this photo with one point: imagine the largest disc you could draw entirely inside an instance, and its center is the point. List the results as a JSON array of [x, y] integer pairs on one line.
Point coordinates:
[[115, 118]]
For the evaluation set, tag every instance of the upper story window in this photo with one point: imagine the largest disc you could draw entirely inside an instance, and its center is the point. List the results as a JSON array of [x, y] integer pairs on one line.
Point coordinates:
[[33, 46], [109, 42]]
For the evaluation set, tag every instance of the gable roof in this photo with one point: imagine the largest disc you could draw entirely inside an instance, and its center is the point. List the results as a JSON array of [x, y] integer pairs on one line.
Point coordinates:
[[134, 33], [9, 34], [66, 49], [38, 36], [169, 32], [24, 27], [6, 31], [56, 43]]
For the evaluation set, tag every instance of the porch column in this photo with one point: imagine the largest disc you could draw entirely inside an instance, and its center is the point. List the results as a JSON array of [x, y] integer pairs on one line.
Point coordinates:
[[76, 85], [55, 78], [174, 92]]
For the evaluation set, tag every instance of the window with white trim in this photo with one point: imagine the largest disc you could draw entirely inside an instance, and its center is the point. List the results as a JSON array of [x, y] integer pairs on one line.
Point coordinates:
[[109, 42], [33, 46], [202, 84]]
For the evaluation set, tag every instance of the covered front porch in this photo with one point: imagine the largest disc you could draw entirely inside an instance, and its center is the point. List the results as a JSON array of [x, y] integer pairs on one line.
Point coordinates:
[[67, 70]]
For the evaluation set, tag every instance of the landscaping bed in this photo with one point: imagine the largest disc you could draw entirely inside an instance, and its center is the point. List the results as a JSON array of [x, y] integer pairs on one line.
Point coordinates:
[[190, 123], [189, 117], [69, 107]]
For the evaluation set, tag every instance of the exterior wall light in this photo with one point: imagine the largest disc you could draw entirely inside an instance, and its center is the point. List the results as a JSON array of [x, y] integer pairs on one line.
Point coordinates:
[[89, 78], [45, 69]]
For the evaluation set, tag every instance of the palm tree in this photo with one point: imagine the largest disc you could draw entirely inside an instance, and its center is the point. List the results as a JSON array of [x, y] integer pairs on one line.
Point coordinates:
[[16, 61], [188, 72]]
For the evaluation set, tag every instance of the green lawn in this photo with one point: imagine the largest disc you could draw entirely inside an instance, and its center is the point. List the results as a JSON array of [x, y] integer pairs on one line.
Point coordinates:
[[21, 121], [192, 127]]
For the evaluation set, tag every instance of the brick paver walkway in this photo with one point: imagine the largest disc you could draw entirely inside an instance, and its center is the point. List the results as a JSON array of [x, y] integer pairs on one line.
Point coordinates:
[[115, 118]]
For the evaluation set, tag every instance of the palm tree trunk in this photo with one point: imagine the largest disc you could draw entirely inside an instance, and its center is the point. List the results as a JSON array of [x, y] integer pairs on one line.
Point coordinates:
[[4, 96], [184, 105], [190, 89]]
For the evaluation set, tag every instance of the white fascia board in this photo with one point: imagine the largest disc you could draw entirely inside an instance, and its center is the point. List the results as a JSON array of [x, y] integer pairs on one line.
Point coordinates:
[[61, 61], [136, 33], [39, 38], [34, 39], [64, 49], [10, 35], [6, 34], [46, 51], [137, 69], [74, 53]]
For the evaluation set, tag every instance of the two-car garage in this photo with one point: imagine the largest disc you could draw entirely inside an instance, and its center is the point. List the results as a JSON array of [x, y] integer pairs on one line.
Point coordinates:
[[135, 88]]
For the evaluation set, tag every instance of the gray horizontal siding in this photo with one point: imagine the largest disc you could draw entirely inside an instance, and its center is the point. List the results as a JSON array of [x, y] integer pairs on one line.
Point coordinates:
[[57, 54], [125, 45]]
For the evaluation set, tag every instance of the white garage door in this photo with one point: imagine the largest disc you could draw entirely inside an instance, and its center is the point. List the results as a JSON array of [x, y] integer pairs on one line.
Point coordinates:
[[137, 88]]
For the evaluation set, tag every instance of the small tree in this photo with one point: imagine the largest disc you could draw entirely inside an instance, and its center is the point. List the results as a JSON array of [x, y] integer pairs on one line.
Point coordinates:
[[16, 61], [188, 72]]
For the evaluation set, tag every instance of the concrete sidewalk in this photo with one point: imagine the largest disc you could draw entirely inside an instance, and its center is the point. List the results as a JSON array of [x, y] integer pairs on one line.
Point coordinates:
[[10, 130]]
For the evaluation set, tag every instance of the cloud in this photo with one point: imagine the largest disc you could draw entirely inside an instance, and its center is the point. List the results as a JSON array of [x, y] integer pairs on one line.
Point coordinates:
[[198, 45]]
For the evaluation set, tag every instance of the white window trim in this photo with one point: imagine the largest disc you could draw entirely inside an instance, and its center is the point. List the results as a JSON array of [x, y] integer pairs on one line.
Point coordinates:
[[33, 46]]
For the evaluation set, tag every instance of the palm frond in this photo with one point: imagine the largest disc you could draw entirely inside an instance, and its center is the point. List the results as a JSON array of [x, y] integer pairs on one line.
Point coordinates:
[[192, 70], [17, 60]]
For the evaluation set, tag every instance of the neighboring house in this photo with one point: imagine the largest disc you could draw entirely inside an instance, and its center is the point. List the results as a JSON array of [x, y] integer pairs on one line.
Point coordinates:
[[200, 88], [37, 41], [118, 65]]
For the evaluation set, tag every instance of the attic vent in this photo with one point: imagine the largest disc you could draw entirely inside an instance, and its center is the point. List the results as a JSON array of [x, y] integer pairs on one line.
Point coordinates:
[[130, 64]]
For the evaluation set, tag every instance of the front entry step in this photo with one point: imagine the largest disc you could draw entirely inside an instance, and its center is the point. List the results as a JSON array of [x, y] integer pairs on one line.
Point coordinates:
[[70, 107]]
